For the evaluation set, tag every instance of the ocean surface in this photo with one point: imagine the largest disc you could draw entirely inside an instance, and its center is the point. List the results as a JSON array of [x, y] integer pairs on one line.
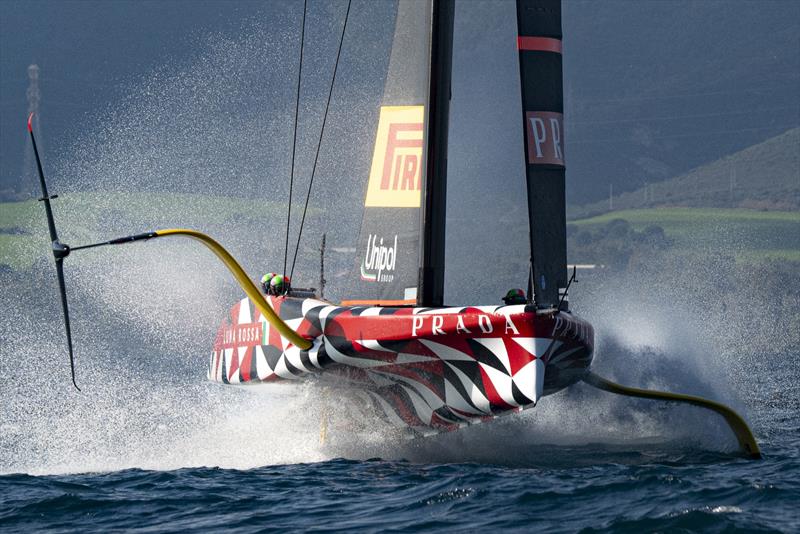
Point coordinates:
[[590, 489], [580, 461], [634, 492], [150, 444]]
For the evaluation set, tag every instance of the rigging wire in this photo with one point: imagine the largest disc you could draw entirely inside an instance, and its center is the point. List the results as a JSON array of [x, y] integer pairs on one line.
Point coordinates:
[[319, 141], [294, 140]]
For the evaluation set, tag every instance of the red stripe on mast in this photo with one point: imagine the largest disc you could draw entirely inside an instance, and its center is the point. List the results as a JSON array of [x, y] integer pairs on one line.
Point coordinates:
[[539, 44]]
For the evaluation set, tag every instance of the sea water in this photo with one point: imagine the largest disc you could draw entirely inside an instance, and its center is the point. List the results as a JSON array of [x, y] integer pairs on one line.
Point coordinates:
[[149, 443]]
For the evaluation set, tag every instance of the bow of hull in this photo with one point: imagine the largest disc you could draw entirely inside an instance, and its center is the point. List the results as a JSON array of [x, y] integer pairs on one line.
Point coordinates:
[[426, 368]]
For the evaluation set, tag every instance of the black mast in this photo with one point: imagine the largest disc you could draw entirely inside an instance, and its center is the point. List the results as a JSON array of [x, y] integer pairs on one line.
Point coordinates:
[[431, 279], [540, 67]]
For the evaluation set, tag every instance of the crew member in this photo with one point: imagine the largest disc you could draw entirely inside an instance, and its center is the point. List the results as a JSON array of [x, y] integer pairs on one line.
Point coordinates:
[[515, 296], [265, 280], [279, 285]]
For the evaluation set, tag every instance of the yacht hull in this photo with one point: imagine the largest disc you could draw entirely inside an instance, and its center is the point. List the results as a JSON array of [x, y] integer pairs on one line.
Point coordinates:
[[425, 368]]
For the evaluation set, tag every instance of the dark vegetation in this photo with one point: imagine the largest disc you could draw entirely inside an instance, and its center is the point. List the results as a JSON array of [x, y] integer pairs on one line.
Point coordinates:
[[613, 245]]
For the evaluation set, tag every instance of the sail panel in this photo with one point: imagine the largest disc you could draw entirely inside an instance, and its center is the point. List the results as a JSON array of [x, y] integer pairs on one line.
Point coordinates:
[[388, 247]]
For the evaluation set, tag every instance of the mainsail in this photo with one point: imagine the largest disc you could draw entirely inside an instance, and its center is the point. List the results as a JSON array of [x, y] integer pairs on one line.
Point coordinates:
[[388, 247]]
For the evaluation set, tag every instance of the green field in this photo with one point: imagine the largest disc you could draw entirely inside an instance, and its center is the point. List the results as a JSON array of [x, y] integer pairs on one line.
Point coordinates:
[[83, 217], [749, 235]]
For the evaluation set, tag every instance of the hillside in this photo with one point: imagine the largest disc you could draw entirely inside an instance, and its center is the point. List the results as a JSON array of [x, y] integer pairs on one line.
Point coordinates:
[[763, 176], [751, 236]]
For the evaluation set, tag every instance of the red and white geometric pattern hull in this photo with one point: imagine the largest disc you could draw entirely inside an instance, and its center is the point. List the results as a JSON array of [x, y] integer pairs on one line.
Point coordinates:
[[428, 368]]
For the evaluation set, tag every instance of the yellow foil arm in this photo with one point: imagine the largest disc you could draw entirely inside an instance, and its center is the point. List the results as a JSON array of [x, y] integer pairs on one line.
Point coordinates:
[[746, 440], [245, 282]]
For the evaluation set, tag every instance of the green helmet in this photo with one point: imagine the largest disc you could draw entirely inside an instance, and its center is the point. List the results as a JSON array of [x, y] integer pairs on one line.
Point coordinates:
[[279, 284]]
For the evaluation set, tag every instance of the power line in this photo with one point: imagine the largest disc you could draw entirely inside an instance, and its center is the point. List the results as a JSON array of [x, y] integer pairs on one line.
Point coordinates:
[[758, 91], [688, 116], [676, 136]]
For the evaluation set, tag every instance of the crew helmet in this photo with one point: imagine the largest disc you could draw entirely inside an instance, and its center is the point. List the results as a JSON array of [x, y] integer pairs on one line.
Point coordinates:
[[265, 280], [279, 284], [515, 296]]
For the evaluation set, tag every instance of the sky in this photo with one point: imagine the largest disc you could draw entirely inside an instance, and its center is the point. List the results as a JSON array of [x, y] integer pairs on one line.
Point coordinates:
[[653, 88]]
